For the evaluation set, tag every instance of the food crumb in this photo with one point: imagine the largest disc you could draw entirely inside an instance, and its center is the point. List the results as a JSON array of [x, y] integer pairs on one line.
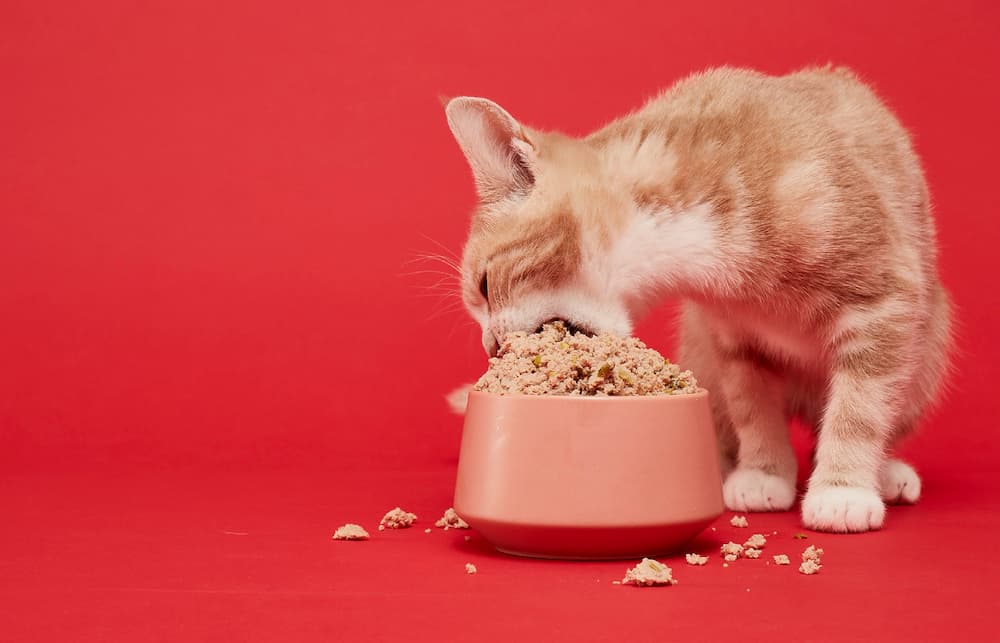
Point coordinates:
[[782, 559], [739, 521], [648, 573], [725, 564], [695, 559], [813, 553], [451, 519], [427, 531], [731, 551], [751, 552], [757, 541], [800, 536], [396, 519], [809, 567], [470, 568], [616, 582], [350, 531], [468, 538]]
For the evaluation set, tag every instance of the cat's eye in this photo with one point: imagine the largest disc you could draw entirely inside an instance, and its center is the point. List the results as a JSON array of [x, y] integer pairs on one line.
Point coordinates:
[[484, 288]]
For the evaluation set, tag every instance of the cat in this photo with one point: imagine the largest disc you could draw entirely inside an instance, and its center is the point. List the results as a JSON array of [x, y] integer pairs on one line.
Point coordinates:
[[791, 216]]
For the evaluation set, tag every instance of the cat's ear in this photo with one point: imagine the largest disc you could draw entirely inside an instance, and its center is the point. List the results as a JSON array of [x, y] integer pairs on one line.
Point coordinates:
[[500, 152]]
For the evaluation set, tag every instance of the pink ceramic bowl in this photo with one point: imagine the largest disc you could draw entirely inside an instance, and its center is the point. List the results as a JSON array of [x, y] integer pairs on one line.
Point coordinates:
[[588, 477]]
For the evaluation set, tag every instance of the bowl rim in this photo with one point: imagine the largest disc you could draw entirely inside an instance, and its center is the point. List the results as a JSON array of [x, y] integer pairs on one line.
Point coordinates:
[[617, 399]]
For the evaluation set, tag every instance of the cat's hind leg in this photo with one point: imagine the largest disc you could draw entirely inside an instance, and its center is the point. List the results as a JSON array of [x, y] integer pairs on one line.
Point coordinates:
[[759, 465], [898, 481]]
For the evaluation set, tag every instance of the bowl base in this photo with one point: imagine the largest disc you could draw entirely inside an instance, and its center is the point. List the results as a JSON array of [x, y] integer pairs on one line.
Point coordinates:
[[588, 543]]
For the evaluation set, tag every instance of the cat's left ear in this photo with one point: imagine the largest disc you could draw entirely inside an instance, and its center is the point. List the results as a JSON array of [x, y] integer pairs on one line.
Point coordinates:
[[500, 151]]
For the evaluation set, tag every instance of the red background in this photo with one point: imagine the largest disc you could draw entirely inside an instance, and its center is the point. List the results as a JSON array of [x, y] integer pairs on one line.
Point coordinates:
[[211, 324]]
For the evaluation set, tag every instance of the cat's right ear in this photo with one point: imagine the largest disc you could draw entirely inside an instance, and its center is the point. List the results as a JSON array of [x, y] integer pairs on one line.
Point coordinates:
[[500, 152]]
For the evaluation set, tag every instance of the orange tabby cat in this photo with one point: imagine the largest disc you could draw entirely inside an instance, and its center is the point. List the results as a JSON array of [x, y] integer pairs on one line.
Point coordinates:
[[791, 215]]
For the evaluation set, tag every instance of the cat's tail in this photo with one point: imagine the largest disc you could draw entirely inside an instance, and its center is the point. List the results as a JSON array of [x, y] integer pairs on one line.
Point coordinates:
[[459, 399]]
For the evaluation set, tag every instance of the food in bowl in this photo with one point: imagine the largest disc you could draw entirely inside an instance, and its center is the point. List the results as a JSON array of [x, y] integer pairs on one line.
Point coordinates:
[[558, 361]]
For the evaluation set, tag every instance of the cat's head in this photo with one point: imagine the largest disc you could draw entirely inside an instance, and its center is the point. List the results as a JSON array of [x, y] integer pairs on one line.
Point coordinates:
[[546, 240]]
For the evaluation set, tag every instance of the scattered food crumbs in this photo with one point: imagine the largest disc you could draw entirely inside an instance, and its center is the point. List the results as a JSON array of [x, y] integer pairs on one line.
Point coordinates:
[[800, 536], [695, 559], [751, 552], [451, 519], [812, 552], [470, 568], [648, 573], [616, 582], [782, 559], [731, 551], [730, 558], [427, 531], [757, 541], [350, 531], [809, 567], [396, 519], [739, 521]]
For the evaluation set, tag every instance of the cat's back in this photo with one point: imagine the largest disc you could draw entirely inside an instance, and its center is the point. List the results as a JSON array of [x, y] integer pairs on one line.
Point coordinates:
[[812, 108], [818, 131], [811, 166]]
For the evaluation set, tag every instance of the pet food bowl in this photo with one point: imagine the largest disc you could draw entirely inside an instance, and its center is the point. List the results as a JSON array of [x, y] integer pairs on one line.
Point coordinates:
[[588, 477]]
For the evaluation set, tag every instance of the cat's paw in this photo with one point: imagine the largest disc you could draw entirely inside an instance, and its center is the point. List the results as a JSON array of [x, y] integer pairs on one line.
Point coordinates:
[[459, 399], [842, 509], [755, 490], [899, 483]]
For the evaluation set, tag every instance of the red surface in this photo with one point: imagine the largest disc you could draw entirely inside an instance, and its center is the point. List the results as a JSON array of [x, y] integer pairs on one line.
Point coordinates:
[[206, 213]]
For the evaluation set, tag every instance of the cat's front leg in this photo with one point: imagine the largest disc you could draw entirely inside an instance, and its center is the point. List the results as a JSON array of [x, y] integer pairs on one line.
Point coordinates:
[[868, 380], [764, 478]]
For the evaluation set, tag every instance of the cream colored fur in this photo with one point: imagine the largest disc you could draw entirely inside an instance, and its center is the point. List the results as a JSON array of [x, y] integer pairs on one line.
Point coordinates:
[[792, 216]]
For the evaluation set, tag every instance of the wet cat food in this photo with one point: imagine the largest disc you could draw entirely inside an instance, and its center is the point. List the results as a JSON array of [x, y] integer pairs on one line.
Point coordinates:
[[557, 361]]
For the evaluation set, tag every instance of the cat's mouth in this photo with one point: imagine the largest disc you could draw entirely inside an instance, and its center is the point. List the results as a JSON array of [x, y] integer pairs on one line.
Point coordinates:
[[572, 327]]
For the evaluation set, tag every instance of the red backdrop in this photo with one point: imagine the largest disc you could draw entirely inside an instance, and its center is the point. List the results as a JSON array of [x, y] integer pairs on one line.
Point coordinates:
[[209, 212]]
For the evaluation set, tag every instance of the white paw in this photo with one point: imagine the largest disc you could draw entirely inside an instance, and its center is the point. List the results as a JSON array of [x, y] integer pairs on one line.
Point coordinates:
[[754, 490], [899, 482], [842, 509]]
